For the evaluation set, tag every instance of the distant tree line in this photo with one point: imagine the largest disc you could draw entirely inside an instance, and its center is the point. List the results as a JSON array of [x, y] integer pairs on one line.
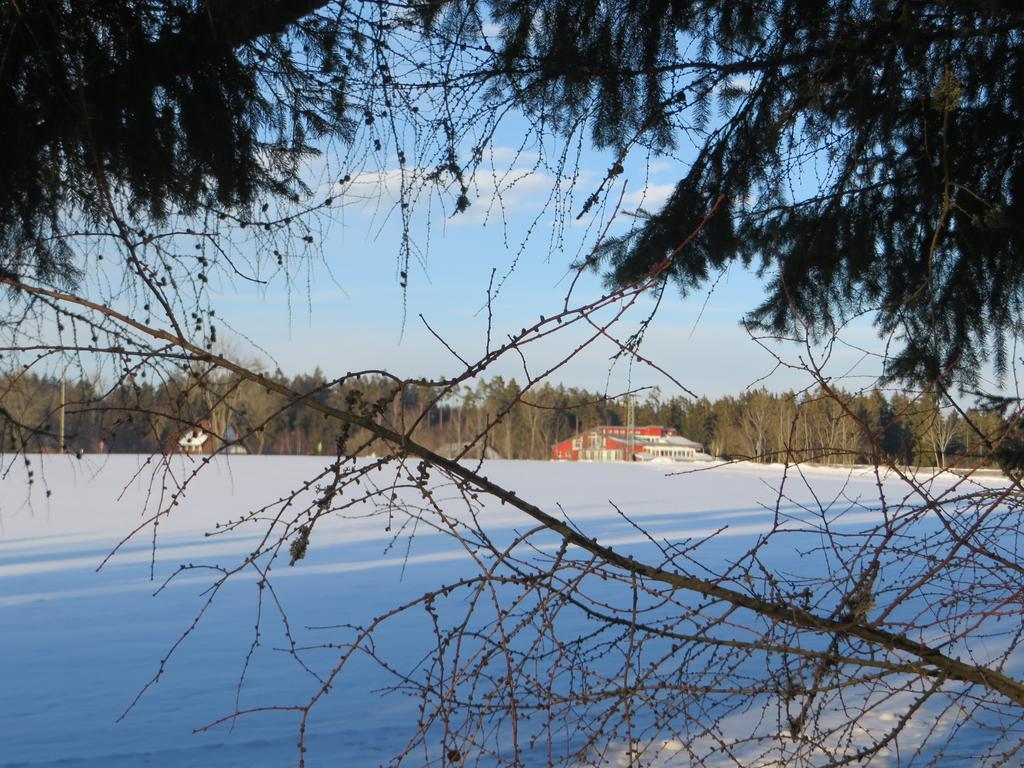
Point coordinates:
[[494, 417]]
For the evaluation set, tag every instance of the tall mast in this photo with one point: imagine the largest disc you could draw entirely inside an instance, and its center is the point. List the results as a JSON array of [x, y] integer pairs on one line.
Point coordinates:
[[630, 427], [60, 415]]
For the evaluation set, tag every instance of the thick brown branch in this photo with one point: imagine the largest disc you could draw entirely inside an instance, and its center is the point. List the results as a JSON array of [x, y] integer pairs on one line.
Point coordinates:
[[785, 613]]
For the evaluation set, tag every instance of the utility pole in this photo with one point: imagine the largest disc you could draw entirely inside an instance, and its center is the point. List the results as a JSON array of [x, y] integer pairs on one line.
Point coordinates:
[[60, 415], [630, 427]]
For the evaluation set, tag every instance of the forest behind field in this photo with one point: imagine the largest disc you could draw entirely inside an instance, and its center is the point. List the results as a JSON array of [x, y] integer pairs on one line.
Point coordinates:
[[830, 427]]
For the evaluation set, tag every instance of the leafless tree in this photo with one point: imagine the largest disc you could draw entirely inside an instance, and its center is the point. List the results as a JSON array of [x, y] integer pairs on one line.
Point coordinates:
[[645, 654], [899, 632]]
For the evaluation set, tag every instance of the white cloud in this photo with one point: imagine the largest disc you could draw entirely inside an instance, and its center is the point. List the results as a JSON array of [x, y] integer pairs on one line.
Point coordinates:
[[500, 193], [651, 197], [491, 192], [501, 156], [491, 31]]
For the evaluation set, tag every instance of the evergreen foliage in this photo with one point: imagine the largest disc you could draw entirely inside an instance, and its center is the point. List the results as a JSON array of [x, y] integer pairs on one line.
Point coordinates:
[[841, 427], [865, 155], [868, 154], [157, 108]]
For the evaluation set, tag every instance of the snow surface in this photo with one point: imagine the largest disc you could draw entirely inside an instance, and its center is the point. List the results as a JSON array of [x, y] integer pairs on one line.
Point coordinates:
[[77, 644]]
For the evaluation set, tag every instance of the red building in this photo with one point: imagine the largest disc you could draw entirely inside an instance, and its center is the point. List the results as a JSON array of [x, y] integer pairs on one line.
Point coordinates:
[[625, 444]]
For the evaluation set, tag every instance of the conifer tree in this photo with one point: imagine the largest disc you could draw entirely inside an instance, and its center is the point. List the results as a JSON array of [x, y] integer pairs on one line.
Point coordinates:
[[866, 154]]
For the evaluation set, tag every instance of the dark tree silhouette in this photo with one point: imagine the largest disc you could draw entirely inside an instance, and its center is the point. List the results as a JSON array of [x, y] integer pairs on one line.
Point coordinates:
[[866, 155], [869, 154]]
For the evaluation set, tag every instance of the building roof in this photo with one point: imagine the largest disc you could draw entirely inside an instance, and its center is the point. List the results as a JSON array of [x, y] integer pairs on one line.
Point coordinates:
[[676, 440], [671, 439], [194, 438]]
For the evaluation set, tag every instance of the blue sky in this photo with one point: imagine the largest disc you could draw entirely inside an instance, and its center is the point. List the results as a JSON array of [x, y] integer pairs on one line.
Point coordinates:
[[344, 310]]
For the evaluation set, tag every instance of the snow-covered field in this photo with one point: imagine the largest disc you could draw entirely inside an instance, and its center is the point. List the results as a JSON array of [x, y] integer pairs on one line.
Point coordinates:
[[77, 644]]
